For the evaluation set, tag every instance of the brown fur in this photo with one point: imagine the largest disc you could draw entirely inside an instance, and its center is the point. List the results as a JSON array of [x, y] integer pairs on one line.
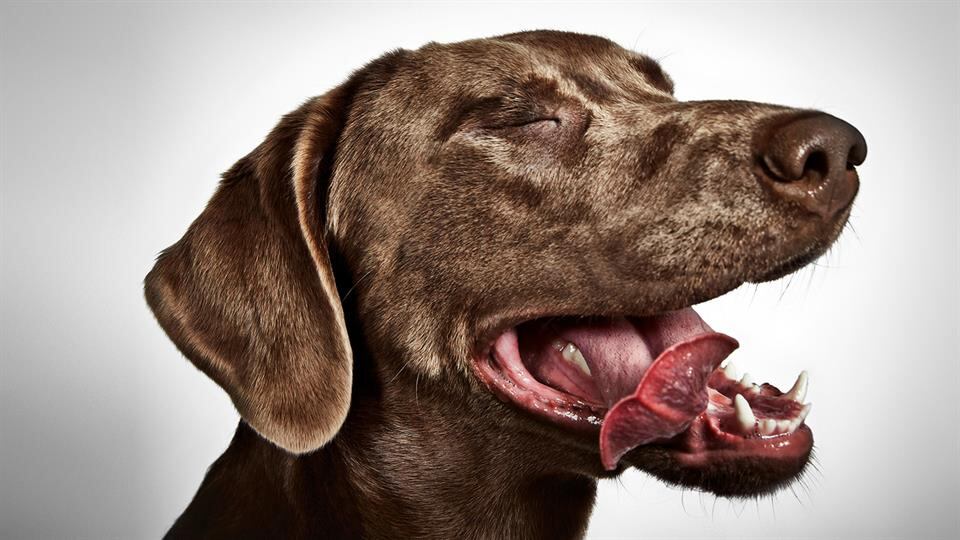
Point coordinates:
[[347, 270]]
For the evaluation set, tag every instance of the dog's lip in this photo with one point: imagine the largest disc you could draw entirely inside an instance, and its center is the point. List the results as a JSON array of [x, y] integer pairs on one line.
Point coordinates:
[[692, 451], [703, 442], [710, 438], [511, 382]]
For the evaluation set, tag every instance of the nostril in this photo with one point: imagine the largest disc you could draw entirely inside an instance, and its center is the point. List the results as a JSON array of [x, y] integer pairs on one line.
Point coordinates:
[[817, 162]]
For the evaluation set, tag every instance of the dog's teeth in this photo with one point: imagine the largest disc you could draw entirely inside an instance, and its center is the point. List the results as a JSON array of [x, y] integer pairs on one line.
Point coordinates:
[[803, 413], [559, 345], [746, 380], [799, 391], [745, 417], [573, 355], [795, 423], [581, 362], [730, 371], [767, 426], [784, 426]]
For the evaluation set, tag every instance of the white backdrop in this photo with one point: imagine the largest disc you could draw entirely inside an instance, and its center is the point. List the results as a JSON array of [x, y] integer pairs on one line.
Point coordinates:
[[116, 120]]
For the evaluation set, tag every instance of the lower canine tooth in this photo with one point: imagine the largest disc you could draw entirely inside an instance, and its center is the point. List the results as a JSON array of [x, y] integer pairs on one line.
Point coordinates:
[[799, 391], [573, 355], [745, 417]]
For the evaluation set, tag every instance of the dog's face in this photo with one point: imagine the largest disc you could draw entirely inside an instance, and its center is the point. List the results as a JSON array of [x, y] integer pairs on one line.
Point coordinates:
[[527, 219]]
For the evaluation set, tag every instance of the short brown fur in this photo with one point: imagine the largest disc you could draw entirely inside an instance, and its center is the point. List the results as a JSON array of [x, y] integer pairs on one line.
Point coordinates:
[[348, 269]]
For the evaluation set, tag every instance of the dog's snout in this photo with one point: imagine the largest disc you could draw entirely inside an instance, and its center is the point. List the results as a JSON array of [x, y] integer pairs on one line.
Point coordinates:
[[810, 161]]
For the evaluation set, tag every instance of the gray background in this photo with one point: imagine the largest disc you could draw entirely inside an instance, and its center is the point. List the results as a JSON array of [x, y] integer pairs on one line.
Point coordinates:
[[115, 120]]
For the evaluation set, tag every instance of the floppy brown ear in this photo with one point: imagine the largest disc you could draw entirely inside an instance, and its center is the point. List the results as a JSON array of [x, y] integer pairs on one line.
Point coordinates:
[[248, 293]]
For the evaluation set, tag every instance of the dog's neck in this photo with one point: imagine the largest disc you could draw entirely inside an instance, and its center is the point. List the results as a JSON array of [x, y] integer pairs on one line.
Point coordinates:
[[416, 467], [401, 467]]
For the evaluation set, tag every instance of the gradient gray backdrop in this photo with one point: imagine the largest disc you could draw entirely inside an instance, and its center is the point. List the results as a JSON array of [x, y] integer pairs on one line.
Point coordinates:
[[117, 118]]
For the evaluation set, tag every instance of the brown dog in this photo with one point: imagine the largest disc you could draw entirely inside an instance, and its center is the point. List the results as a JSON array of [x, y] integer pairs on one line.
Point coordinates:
[[449, 295]]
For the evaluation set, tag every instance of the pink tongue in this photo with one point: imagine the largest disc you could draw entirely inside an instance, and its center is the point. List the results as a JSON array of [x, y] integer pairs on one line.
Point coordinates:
[[672, 355], [671, 394], [619, 351]]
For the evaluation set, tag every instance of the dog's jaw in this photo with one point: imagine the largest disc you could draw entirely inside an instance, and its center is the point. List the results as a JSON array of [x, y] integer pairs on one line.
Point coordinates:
[[651, 381]]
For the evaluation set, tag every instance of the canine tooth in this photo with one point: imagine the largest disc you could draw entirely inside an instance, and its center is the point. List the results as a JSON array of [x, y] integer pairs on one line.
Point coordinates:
[[799, 391], [573, 355], [746, 380], [744, 413], [730, 371], [767, 426]]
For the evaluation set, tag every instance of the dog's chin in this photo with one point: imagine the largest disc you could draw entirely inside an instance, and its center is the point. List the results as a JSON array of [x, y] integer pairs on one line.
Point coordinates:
[[732, 474], [654, 392]]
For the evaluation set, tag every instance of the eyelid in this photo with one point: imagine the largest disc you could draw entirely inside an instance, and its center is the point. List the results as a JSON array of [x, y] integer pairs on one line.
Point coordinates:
[[523, 123]]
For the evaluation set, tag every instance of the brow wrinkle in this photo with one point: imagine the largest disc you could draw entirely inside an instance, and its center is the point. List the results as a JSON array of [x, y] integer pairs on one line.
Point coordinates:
[[592, 87]]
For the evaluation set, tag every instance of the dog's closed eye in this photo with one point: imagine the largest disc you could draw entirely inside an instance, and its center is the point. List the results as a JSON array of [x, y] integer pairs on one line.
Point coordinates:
[[537, 125], [506, 113]]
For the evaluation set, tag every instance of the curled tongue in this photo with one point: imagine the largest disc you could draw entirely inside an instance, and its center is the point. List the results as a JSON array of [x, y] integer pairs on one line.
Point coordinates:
[[671, 394], [650, 373]]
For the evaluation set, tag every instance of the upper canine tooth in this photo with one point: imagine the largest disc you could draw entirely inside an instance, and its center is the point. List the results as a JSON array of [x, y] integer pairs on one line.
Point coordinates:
[[745, 417], [573, 355], [799, 391]]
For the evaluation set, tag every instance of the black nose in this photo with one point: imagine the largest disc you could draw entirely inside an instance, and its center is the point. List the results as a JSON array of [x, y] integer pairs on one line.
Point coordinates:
[[810, 161]]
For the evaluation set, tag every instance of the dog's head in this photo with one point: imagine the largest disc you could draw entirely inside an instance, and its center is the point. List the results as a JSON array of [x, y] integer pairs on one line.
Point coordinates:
[[524, 221]]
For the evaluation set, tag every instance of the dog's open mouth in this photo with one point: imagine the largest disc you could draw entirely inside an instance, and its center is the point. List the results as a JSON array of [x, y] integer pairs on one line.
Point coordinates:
[[648, 380]]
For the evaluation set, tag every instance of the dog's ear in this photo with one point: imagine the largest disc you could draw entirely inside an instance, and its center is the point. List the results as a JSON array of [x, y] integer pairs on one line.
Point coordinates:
[[248, 293]]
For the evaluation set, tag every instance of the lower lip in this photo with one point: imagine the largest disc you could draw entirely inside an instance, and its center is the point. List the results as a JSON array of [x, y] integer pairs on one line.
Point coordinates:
[[703, 444], [548, 404]]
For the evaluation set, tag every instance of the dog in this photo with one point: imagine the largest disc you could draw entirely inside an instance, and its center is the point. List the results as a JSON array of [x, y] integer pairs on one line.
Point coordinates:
[[449, 295]]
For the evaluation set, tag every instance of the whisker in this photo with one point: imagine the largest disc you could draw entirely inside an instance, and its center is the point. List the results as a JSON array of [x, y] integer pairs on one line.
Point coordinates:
[[787, 286], [354, 286], [849, 225], [795, 496], [403, 367]]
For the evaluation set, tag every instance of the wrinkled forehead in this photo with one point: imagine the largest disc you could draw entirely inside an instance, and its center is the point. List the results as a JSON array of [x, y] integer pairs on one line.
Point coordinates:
[[596, 69]]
